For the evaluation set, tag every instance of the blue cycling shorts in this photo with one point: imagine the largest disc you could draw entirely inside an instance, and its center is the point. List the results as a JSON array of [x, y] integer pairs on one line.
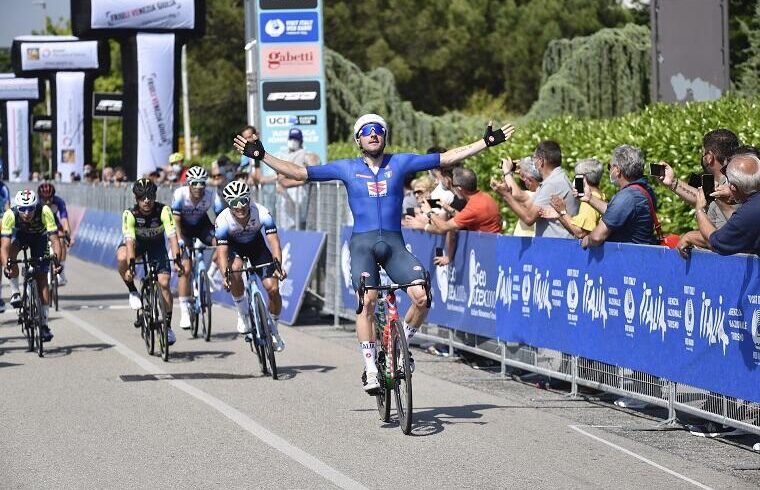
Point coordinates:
[[374, 249]]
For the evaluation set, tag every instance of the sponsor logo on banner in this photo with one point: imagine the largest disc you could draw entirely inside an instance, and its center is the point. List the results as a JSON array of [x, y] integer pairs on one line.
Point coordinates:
[[541, 298], [289, 27], [291, 96], [688, 317], [572, 296], [143, 14], [19, 89], [107, 104], [756, 328], [287, 4], [482, 299], [61, 55], [377, 189], [281, 121], [163, 136], [504, 284], [42, 124], [291, 61], [652, 310], [711, 322], [594, 299]]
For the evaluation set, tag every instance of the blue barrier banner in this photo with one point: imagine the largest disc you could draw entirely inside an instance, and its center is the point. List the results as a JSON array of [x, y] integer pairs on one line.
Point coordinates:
[[300, 252], [464, 292], [645, 308]]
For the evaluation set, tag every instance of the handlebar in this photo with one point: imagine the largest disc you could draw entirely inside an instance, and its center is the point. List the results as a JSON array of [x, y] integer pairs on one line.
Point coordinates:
[[391, 288], [253, 268]]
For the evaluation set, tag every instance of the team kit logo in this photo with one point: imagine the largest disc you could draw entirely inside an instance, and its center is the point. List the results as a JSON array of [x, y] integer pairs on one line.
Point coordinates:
[[378, 189]]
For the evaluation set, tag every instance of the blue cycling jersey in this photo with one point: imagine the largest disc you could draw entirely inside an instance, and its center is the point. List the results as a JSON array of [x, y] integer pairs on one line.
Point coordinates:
[[5, 196], [375, 199]]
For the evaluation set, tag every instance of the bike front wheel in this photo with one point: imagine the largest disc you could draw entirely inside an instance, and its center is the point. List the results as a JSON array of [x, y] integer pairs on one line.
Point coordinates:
[[205, 311], [402, 377], [266, 335], [35, 315], [162, 323]]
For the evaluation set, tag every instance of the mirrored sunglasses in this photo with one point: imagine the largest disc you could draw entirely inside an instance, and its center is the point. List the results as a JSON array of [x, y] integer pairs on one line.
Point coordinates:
[[26, 209], [240, 202], [367, 129], [198, 183]]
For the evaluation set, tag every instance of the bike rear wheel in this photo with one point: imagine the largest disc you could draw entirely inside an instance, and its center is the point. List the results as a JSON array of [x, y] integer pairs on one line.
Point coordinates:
[[384, 397], [266, 335], [53, 280], [205, 312], [403, 377]]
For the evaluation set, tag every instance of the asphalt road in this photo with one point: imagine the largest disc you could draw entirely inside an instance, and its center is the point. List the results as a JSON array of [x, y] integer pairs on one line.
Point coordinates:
[[98, 412]]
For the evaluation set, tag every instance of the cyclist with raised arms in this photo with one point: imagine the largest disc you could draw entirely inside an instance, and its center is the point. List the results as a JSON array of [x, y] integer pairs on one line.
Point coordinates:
[[190, 206], [5, 204], [375, 186], [46, 192], [29, 224], [240, 231], [144, 227]]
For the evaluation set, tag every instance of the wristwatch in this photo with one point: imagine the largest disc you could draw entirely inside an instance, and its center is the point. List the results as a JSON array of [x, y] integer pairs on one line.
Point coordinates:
[[507, 173], [563, 213]]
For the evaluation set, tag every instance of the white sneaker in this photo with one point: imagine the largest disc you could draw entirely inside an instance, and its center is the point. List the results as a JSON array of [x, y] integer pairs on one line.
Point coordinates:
[[371, 382], [62, 281], [184, 322], [243, 324], [277, 342], [134, 301]]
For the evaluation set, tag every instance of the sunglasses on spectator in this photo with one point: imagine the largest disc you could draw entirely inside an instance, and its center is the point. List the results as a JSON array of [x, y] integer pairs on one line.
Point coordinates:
[[26, 209], [367, 129], [418, 191], [198, 183], [240, 202], [216, 176]]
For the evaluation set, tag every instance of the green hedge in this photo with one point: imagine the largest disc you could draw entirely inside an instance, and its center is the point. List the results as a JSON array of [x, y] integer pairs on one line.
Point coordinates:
[[664, 131]]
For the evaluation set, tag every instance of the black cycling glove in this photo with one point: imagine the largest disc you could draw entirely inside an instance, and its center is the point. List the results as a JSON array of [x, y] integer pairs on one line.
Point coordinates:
[[254, 149], [493, 138]]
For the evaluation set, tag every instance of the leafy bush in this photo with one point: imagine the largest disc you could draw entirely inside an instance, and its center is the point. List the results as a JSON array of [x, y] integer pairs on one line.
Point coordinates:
[[663, 131]]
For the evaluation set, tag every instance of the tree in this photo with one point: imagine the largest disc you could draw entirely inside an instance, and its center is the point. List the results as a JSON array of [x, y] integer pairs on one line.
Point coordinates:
[[748, 73], [216, 76]]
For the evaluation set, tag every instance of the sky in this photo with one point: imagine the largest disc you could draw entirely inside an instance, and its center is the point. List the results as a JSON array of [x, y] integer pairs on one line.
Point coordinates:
[[20, 17]]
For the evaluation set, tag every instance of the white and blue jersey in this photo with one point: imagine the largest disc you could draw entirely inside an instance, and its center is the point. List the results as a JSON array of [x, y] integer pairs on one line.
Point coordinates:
[[229, 230], [375, 199], [192, 214]]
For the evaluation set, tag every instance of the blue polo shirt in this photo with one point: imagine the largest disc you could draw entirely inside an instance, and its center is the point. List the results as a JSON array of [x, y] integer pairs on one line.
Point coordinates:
[[628, 216], [741, 233]]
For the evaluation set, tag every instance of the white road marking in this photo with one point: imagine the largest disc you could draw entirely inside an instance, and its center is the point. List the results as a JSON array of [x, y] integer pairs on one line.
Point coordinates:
[[235, 415], [640, 458]]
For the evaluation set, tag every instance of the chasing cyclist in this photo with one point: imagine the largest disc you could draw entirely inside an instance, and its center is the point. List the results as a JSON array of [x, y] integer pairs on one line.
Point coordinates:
[[239, 234], [375, 186], [46, 192], [190, 206], [30, 224], [144, 227]]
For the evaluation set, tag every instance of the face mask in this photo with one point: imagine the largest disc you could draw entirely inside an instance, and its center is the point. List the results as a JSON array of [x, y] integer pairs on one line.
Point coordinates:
[[177, 167], [294, 145]]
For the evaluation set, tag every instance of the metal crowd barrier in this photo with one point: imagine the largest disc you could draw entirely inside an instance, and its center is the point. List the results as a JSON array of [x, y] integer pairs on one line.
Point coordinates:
[[327, 211]]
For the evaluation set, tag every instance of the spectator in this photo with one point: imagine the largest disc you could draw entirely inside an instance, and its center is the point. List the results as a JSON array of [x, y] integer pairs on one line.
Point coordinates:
[[421, 189], [717, 146], [107, 175], [292, 195], [548, 160], [176, 170], [58, 177], [119, 175], [90, 174], [155, 177], [629, 216], [75, 177], [530, 179], [587, 218], [741, 233], [409, 200], [224, 166], [480, 213], [36, 176]]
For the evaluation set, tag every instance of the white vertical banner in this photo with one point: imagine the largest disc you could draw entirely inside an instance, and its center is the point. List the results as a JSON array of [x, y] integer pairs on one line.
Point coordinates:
[[69, 123], [155, 100], [17, 112]]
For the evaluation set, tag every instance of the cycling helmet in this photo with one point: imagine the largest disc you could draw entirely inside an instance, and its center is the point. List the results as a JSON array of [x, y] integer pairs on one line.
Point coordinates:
[[235, 190], [366, 119], [144, 187], [24, 198], [197, 174], [176, 157], [46, 191]]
